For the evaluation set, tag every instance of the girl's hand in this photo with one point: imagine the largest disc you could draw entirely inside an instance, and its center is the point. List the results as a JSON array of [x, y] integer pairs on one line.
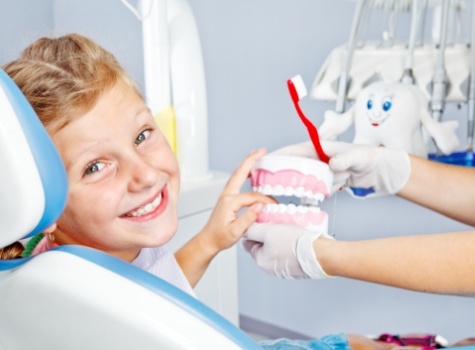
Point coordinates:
[[225, 227]]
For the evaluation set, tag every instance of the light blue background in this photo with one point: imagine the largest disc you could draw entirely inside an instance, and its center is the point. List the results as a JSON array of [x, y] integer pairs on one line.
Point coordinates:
[[251, 47]]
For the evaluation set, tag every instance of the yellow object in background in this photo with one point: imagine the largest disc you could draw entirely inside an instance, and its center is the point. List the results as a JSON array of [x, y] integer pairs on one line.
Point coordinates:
[[166, 122]]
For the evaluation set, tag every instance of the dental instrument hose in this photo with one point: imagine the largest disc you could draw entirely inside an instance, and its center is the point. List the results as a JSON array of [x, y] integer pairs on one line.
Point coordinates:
[[471, 97], [439, 83], [344, 79], [408, 75]]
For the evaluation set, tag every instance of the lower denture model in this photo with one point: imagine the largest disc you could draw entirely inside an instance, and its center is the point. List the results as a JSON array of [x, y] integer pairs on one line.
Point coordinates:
[[309, 180]]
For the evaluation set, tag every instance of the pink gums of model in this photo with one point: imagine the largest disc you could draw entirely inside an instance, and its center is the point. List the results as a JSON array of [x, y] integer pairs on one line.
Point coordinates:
[[308, 179]]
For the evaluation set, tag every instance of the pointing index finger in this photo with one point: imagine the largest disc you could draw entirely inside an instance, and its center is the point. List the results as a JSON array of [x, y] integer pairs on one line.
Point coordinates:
[[241, 173]]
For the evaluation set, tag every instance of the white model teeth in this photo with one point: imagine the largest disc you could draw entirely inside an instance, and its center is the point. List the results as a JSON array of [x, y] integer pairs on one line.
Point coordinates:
[[312, 200], [308, 197], [289, 209], [267, 190], [149, 207]]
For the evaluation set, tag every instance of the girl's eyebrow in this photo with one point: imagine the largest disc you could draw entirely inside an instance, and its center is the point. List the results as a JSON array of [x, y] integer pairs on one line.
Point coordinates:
[[143, 110], [79, 154]]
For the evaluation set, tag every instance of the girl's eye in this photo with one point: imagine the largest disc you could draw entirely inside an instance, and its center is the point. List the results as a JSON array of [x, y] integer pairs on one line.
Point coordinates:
[[387, 104], [142, 137], [94, 168], [369, 104]]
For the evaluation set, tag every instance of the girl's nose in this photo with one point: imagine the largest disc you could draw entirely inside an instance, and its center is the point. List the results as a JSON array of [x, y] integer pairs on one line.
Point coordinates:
[[142, 174]]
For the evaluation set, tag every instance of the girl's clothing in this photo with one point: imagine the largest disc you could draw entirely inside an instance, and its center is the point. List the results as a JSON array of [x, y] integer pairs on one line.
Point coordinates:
[[158, 261], [39, 244]]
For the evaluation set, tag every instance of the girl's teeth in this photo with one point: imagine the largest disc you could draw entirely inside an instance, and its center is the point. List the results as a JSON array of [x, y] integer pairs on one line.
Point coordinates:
[[147, 208]]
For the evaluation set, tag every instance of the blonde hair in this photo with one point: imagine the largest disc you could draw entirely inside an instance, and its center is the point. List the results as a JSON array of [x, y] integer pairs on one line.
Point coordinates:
[[63, 77], [12, 251]]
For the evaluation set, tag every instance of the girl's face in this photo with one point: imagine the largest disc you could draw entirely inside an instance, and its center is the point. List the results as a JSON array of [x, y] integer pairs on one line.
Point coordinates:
[[123, 178]]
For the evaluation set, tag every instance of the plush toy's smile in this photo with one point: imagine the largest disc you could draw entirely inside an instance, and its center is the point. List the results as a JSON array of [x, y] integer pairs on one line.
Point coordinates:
[[308, 180]]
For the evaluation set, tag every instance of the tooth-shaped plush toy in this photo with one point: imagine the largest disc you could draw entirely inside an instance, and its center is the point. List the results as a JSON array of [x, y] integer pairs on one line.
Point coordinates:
[[308, 180], [393, 115]]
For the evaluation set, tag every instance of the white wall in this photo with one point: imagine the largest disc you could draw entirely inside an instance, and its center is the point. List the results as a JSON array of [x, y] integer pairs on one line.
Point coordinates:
[[108, 22], [20, 23]]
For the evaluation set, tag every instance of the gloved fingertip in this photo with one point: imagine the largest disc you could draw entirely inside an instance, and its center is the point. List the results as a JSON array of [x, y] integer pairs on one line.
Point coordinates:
[[336, 164], [247, 244]]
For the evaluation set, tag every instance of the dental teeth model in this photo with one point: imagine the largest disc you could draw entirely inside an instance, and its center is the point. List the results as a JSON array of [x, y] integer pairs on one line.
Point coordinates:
[[307, 179]]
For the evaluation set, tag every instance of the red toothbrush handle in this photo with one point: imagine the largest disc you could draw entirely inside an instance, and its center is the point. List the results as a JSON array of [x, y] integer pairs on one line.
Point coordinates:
[[312, 130]]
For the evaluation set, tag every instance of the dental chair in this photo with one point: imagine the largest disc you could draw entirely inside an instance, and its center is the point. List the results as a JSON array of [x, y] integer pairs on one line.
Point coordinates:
[[74, 297]]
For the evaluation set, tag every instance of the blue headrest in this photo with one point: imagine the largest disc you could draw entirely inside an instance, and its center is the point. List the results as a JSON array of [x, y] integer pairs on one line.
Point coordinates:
[[33, 180]]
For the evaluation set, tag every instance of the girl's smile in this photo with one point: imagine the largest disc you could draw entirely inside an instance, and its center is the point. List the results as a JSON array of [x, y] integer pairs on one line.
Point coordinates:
[[150, 209]]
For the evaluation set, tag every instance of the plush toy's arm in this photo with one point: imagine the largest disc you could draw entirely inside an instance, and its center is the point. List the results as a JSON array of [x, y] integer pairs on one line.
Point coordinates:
[[443, 133], [335, 124]]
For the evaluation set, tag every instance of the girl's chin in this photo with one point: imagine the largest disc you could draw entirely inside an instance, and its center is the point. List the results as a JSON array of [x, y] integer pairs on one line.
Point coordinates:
[[160, 235]]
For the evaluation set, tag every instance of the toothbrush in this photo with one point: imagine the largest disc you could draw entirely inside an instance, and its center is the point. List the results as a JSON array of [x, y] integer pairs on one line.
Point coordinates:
[[298, 91]]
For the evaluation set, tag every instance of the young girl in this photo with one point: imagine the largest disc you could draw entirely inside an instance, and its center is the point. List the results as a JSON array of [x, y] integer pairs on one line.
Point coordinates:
[[123, 177]]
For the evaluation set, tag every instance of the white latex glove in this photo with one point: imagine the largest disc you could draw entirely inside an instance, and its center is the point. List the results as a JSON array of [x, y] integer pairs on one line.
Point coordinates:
[[384, 170], [285, 251]]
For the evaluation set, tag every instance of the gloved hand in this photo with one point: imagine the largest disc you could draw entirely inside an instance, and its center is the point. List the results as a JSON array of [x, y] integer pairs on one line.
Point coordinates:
[[383, 169], [285, 251], [360, 166]]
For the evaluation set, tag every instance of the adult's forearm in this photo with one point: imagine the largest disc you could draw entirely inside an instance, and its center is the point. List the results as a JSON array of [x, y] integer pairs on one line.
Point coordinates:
[[438, 263], [446, 189]]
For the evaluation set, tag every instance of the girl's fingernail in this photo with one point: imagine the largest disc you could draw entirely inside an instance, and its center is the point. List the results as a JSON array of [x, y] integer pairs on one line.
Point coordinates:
[[257, 207]]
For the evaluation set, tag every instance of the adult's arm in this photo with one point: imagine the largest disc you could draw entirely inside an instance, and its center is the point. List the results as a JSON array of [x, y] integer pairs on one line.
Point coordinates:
[[446, 189]]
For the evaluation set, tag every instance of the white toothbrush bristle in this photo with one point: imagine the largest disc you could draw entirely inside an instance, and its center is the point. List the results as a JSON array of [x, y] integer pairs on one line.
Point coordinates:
[[299, 86]]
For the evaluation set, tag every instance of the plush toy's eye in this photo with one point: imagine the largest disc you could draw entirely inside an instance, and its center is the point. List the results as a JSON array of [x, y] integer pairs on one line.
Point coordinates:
[[387, 104], [369, 104]]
